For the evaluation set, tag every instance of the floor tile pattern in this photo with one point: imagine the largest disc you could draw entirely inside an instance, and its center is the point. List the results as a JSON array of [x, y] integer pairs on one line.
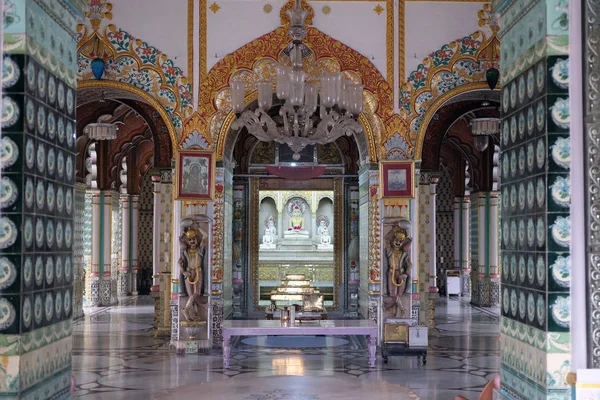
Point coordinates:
[[117, 356]]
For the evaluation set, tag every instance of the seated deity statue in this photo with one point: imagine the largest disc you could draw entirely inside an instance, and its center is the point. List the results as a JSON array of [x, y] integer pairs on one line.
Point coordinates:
[[296, 226], [270, 234]]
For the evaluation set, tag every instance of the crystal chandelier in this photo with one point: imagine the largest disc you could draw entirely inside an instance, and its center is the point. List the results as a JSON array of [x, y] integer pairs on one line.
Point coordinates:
[[339, 101], [101, 131], [482, 128]]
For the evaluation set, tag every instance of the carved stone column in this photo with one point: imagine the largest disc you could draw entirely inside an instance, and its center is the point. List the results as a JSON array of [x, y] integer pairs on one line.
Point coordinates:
[[96, 249], [135, 265], [428, 290], [465, 263], [125, 270], [156, 231]]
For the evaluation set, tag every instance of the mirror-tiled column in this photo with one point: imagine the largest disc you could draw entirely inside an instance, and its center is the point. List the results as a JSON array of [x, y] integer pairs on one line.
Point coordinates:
[[536, 262], [37, 207]]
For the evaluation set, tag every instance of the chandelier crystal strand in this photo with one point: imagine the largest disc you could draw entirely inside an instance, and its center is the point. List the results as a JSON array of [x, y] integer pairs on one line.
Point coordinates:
[[338, 101]]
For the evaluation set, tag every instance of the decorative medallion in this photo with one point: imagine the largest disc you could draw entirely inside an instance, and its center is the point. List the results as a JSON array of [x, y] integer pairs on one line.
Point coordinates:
[[505, 99], [505, 263], [326, 10], [506, 233], [28, 271], [522, 125], [561, 231], [51, 125], [41, 83], [68, 268], [541, 310], [59, 236], [31, 75], [505, 301], [561, 271], [561, 191], [60, 164], [513, 163], [521, 196], [29, 192], [522, 244], [69, 169], [49, 270], [67, 302], [513, 197], [8, 232], [530, 270], [530, 232], [522, 305], [378, 9], [7, 314], [51, 161], [521, 161], [530, 195], [513, 267], [50, 197], [540, 76], [540, 115], [60, 95], [28, 232], [26, 312], [8, 273], [522, 268], [60, 129], [68, 235], [541, 231], [10, 72], [70, 133], [58, 304], [41, 120], [70, 101], [530, 308], [39, 232], [513, 129], [49, 306], [59, 268], [60, 199], [37, 309], [8, 192], [9, 152], [41, 158], [560, 73], [69, 201], [561, 152], [505, 132], [530, 157], [51, 89], [267, 8], [39, 270], [561, 311], [513, 233], [10, 112], [560, 113], [513, 94], [50, 233], [540, 192], [29, 153], [530, 121], [540, 153], [513, 302], [40, 194]]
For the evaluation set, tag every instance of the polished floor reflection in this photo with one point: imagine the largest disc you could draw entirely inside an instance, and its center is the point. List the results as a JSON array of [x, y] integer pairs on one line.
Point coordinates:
[[117, 357]]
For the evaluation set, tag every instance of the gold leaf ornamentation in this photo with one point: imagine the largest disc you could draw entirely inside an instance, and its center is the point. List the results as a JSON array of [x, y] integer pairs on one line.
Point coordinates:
[[378, 9], [214, 7]]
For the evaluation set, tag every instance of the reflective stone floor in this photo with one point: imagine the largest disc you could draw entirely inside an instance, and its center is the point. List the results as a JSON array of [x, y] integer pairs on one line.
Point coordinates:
[[115, 356]]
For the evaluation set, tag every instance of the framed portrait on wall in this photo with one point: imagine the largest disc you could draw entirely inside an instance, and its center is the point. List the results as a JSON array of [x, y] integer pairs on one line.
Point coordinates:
[[396, 179], [195, 172]]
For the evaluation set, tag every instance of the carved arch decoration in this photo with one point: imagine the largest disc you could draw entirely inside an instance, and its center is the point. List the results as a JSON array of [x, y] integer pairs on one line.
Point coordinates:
[[256, 61], [459, 64], [134, 62]]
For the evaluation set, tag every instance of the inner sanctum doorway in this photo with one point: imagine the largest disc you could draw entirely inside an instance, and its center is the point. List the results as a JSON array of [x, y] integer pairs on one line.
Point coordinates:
[[295, 217]]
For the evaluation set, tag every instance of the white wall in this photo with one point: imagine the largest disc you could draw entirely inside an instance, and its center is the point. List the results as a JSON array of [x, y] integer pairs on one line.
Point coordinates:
[[162, 24], [354, 23], [430, 25]]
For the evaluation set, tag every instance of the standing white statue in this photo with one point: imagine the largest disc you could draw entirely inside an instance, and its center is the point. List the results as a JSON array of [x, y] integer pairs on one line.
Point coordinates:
[[268, 240], [323, 231]]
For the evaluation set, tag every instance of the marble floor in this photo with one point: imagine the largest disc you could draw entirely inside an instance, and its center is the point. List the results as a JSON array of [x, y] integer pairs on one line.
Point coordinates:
[[116, 356]]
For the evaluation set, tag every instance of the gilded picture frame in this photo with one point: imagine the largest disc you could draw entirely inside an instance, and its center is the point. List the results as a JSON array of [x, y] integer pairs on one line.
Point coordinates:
[[195, 175], [397, 179]]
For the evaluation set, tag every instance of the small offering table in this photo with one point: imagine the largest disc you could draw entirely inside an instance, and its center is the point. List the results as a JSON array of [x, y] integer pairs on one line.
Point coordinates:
[[273, 328]]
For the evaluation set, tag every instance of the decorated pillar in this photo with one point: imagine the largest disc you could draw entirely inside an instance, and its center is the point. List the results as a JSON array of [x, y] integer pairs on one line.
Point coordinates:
[[487, 278], [96, 250], [415, 251], [493, 244], [465, 253], [80, 240], [105, 232], [36, 247], [428, 291], [156, 231], [135, 266], [457, 228], [125, 269]]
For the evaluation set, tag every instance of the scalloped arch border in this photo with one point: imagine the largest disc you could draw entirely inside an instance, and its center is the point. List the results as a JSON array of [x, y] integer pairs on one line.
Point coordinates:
[[105, 83], [269, 46]]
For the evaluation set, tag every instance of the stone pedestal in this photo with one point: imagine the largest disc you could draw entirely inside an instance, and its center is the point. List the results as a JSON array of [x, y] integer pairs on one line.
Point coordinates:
[[162, 298], [194, 336]]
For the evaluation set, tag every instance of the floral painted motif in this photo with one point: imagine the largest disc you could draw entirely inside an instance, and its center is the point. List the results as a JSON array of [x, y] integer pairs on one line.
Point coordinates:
[[137, 63]]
